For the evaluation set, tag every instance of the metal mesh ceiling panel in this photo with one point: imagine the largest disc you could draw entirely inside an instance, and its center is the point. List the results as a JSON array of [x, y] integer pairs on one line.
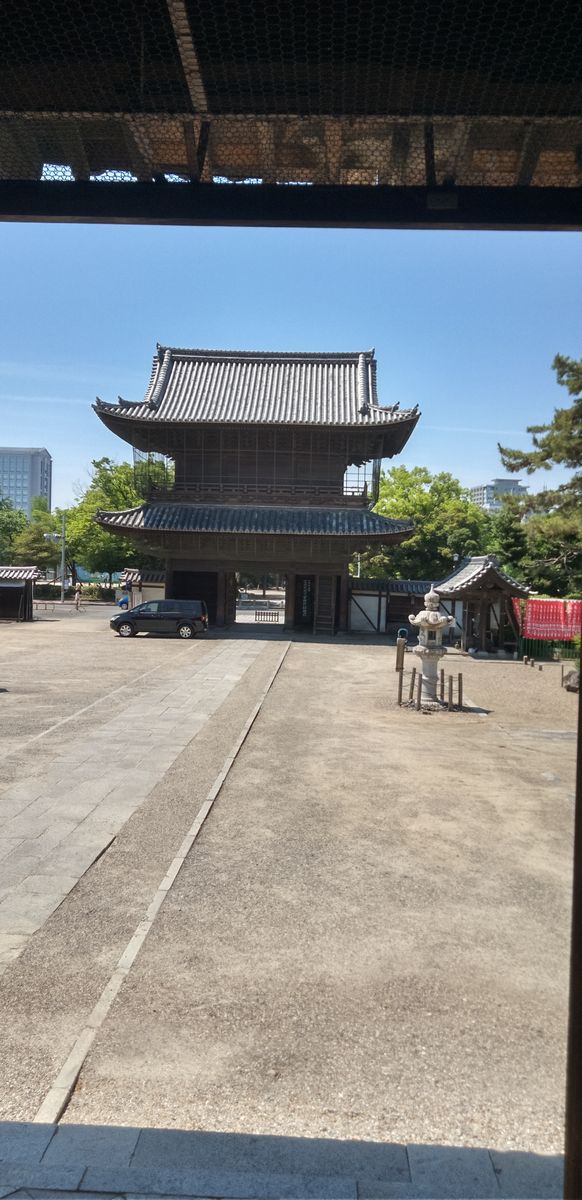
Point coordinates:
[[340, 93]]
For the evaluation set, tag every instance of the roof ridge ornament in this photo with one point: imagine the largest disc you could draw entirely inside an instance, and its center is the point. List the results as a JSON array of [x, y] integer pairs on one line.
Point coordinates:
[[159, 386], [363, 386]]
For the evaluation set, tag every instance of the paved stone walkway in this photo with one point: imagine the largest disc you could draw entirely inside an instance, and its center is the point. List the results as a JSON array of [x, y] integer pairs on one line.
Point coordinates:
[[53, 825], [60, 1161]]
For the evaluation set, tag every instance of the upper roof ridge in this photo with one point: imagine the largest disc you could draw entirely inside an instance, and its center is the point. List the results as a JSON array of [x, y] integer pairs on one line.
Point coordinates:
[[266, 355]]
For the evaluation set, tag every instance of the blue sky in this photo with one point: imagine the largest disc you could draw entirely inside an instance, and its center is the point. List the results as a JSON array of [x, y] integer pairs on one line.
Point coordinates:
[[464, 324]]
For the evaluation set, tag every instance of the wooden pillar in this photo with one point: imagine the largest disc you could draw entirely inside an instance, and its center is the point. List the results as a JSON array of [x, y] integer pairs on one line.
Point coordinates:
[[220, 597], [483, 607], [290, 585], [230, 598], [466, 624], [169, 589], [344, 603]]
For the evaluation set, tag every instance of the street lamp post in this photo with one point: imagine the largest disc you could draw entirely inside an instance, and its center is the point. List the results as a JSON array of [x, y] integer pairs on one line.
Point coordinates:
[[63, 559], [60, 537]]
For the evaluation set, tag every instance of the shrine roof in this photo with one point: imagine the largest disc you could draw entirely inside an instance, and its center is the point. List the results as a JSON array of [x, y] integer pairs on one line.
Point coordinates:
[[261, 387], [481, 573], [19, 574], [200, 518], [135, 576]]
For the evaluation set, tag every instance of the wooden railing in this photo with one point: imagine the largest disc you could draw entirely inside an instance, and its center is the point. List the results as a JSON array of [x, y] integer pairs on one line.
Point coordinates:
[[319, 494]]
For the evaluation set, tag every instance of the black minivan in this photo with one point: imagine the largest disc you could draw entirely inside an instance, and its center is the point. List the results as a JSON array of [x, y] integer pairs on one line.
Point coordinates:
[[185, 618]]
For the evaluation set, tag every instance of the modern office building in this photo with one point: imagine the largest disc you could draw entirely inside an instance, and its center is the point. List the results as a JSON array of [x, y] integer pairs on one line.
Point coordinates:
[[25, 472], [488, 495]]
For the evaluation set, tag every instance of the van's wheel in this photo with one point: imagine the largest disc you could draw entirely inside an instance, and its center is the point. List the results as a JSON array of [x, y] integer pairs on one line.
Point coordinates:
[[126, 630], [185, 631]]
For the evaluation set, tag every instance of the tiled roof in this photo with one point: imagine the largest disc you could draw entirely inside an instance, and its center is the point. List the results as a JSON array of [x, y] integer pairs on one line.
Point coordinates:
[[261, 387], [480, 573], [134, 576], [406, 587], [199, 518], [409, 587], [19, 573]]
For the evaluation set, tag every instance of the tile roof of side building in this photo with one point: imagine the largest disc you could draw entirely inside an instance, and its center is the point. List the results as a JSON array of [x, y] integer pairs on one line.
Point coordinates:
[[480, 573], [262, 387], [18, 573]]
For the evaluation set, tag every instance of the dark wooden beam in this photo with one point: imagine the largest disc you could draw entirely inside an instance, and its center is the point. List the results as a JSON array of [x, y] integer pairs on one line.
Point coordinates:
[[532, 145], [271, 205], [429, 163]]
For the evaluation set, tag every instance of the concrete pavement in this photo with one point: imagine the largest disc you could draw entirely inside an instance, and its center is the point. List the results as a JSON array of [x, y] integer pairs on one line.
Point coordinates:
[[54, 824]]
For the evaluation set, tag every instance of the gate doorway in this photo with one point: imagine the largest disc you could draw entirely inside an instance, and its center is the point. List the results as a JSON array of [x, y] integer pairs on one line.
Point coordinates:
[[261, 604], [196, 585]]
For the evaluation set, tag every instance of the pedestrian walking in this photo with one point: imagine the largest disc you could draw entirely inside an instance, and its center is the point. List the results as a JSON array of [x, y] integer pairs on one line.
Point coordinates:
[[77, 596]]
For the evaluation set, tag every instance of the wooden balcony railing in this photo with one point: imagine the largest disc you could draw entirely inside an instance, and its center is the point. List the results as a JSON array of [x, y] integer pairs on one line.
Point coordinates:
[[265, 494]]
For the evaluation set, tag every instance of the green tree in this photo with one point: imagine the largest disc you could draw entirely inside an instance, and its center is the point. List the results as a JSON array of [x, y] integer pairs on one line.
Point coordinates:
[[12, 522], [34, 545], [32, 548], [111, 488], [553, 560], [509, 537], [559, 443], [447, 524]]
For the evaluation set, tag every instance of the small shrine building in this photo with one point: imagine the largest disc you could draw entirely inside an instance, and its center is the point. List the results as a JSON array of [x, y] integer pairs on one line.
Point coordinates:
[[264, 462], [485, 592]]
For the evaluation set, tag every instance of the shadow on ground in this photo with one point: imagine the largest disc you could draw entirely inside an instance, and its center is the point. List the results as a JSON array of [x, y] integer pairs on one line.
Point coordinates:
[[119, 1161]]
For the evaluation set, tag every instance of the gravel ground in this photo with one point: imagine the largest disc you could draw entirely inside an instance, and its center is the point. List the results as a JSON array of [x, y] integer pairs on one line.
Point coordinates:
[[370, 937], [516, 694]]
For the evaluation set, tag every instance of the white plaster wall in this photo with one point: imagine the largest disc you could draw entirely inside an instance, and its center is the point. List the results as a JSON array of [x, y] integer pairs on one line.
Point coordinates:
[[369, 604]]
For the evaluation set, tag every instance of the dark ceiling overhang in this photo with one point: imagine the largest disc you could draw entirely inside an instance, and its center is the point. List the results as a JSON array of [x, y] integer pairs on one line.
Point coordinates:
[[448, 115]]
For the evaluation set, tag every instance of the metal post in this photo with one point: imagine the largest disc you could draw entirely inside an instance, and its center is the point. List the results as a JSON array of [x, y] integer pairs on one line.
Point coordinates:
[[411, 689], [450, 703], [460, 689], [400, 683], [525, 660], [442, 687], [561, 674], [532, 662], [63, 559], [418, 691]]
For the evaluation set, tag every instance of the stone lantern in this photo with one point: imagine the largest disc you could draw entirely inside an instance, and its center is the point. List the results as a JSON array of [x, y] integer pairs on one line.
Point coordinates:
[[431, 626]]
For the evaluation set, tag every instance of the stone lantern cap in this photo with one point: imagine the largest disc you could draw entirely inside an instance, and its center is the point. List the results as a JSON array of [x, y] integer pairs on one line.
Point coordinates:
[[430, 616]]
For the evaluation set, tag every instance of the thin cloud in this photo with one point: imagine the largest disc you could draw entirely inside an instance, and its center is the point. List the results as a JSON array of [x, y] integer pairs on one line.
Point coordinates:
[[11, 398], [75, 374], [472, 429]]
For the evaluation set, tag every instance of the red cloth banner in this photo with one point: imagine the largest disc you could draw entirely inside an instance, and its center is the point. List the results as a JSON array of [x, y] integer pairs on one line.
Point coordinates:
[[574, 617], [550, 620]]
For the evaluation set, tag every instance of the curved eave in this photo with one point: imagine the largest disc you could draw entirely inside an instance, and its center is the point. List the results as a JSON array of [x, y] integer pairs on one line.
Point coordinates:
[[395, 436], [155, 520], [145, 434], [125, 427], [484, 583]]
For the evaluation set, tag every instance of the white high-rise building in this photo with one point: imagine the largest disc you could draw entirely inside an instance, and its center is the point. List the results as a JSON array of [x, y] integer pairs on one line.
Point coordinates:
[[25, 472], [488, 495]]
